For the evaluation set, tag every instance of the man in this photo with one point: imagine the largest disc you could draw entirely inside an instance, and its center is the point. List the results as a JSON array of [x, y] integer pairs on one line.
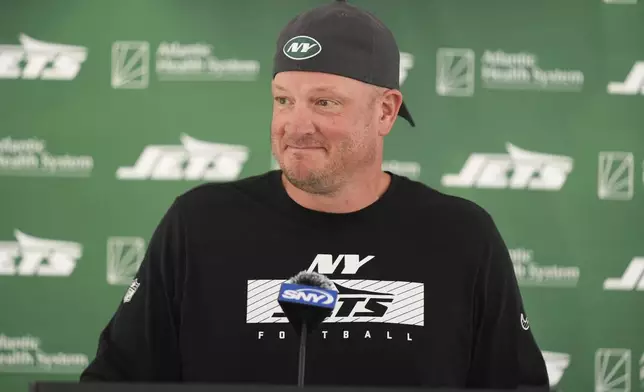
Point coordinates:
[[428, 295]]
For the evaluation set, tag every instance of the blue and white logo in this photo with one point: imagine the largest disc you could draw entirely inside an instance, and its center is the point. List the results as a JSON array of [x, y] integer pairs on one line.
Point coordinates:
[[308, 295]]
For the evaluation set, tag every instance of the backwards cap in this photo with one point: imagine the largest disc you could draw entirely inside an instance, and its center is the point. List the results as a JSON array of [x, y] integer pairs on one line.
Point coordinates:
[[344, 40]]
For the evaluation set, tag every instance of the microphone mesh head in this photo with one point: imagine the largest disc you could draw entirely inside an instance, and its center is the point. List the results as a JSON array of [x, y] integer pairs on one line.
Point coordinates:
[[313, 279]]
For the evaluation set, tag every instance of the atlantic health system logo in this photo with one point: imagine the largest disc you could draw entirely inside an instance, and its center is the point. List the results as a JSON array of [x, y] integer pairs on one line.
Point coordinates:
[[614, 370], [31, 157], [532, 272], [175, 61], [616, 175], [124, 257], [27, 353], [456, 72]]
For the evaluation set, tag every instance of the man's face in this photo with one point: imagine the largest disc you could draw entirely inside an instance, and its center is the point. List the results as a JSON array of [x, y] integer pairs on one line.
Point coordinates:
[[324, 128]]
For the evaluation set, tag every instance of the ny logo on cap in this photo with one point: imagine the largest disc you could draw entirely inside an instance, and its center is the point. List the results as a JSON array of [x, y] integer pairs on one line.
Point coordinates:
[[301, 47]]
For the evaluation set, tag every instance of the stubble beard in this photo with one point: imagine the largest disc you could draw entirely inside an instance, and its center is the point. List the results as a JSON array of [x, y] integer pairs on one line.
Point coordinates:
[[337, 171], [319, 181], [330, 178]]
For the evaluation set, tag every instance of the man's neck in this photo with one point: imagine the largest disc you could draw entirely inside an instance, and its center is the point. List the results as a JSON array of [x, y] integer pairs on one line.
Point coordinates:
[[353, 196]]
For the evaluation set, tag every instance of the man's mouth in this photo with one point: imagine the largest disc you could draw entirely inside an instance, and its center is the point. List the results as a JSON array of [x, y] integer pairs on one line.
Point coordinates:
[[305, 147]]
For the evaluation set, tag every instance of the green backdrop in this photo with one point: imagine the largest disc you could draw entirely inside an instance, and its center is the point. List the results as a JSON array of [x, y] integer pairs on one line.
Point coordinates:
[[110, 109]]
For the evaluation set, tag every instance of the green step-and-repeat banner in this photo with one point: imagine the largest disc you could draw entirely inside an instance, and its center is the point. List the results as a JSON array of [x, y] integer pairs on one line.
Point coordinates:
[[110, 109]]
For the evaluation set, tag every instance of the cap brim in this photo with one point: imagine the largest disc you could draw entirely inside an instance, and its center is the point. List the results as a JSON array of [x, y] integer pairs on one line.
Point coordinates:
[[404, 113]]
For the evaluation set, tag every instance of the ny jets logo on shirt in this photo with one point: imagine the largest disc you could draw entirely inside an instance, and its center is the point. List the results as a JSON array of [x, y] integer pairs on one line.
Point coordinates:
[[359, 299], [301, 47]]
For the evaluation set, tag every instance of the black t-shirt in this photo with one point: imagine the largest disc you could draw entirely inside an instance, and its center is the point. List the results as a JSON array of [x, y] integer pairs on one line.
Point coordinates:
[[428, 295]]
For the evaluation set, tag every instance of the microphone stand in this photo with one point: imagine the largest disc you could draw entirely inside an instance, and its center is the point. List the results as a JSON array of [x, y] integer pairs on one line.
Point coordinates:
[[302, 357]]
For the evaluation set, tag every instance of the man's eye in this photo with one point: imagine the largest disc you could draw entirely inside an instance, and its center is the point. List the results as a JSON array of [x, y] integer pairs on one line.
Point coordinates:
[[325, 102], [280, 100]]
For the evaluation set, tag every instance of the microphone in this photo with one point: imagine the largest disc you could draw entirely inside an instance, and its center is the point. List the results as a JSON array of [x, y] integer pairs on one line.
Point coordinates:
[[307, 299]]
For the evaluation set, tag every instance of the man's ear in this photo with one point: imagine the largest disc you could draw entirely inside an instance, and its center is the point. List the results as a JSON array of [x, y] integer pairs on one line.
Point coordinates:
[[389, 105]]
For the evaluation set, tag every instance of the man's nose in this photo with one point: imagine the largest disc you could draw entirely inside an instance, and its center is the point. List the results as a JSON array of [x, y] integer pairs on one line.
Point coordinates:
[[300, 119]]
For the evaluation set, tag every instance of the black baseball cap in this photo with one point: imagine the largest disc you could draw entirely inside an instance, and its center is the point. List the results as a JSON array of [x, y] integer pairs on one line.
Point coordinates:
[[341, 39]]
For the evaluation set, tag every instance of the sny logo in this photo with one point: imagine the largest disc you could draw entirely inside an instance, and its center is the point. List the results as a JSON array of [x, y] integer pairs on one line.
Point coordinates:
[[519, 169], [307, 295], [195, 160], [42, 60]]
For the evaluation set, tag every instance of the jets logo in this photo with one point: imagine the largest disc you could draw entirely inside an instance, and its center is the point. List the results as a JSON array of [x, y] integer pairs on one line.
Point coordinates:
[[359, 300], [301, 47]]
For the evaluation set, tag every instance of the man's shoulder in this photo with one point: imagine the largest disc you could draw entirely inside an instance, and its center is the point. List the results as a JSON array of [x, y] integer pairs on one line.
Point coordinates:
[[426, 199], [225, 194], [456, 220]]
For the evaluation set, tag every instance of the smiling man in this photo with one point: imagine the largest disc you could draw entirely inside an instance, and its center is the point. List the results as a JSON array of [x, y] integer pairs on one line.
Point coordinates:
[[427, 294], [327, 135]]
